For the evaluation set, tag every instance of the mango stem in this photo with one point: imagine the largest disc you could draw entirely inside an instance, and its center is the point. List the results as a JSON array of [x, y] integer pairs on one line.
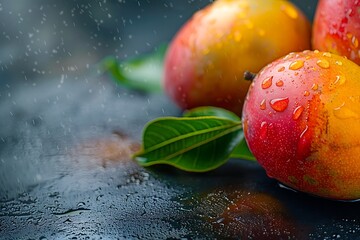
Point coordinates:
[[249, 76]]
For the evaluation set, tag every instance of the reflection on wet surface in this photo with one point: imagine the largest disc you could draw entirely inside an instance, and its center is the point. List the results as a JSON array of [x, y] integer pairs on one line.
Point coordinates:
[[101, 193], [117, 147]]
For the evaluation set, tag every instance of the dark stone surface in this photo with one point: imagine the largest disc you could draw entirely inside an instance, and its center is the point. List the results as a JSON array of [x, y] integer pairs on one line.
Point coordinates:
[[67, 133]]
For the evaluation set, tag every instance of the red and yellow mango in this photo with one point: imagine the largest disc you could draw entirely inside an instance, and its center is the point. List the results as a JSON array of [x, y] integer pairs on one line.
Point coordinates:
[[301, 121], [337, 28], [206, 60]]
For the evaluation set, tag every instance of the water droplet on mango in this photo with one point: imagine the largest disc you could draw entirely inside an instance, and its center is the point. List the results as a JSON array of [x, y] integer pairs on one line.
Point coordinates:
[[323, 63], [315, 87], [281, 69], [263, 130], [279, 104], [267, 82], [263, 104], [279, 83], [304, 144], [296, 65], [290, 55], [354, 42], [297, 112], [339, 63], [343, 112], [339, 80]]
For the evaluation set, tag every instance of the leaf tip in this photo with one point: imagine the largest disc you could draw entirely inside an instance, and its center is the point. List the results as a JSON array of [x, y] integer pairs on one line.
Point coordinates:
[[108, 63]]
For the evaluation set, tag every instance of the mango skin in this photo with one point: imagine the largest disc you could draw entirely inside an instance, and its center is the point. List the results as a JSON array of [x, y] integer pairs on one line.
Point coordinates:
[[337, 28], [303, 125], [206, 60]]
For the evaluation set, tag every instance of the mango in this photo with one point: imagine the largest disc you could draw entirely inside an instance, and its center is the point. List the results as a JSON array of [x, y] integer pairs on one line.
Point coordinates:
[[301, 121]]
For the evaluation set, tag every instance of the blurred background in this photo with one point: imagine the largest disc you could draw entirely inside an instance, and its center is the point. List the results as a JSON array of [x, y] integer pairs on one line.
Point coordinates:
[[49, 39]]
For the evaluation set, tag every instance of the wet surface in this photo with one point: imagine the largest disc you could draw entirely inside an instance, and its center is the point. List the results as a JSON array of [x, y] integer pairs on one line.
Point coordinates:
[[67, 135]]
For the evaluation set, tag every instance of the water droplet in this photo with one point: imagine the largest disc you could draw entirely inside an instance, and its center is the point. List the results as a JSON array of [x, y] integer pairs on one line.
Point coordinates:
[[263, 130], [339, 80], [296, 65], [279, 83], [333, 85], [290, 11], [339, 63], [323, 63], [355, 41], [263, 104], [281, 69], [327, 54], [304, 143], [315, 87], [297, 112], [279, 104], [267, 82], [290, 55], [80, 204], [343, 112], [306, 93]]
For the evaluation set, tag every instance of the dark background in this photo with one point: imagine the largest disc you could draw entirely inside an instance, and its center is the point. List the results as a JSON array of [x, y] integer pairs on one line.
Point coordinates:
[[45, 39], [63, 171]]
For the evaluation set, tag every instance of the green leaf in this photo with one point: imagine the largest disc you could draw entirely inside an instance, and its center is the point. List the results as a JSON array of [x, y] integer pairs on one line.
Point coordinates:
[[241, 150], [211, 111], [196, 144], [143, 73]]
